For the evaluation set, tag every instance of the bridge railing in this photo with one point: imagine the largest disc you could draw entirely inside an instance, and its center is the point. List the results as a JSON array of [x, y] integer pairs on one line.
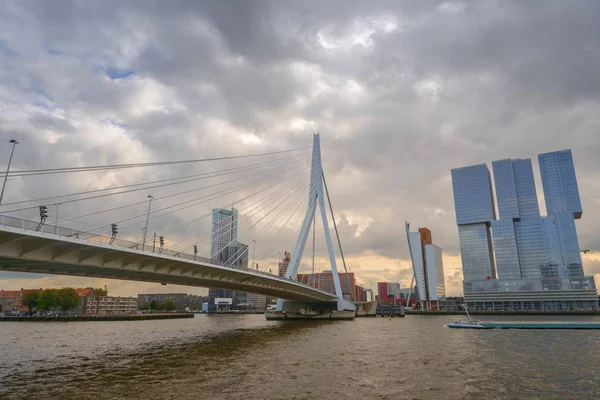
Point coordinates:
[[106, 240]]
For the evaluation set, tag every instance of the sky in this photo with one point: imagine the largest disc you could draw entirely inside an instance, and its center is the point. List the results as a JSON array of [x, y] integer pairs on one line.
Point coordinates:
[[400, 92]]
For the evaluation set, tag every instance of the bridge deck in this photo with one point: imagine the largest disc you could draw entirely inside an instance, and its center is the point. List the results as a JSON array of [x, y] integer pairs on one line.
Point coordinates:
[[68, 252]]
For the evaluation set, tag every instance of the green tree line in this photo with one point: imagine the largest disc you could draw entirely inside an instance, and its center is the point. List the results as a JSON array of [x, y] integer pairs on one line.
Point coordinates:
[[65, 299], [166, 305]]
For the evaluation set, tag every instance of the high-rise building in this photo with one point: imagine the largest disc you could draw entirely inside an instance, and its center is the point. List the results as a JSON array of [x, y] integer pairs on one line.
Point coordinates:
[[428, 268], [223, 243], [474, 203], [224, 248], [537, 258]]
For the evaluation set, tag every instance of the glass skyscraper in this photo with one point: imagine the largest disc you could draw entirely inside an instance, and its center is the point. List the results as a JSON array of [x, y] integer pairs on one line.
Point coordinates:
[[530, 252], [474, 203]]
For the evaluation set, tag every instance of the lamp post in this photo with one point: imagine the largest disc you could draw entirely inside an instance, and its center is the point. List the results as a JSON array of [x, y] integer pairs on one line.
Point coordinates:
[[279, 262], [253, 250], [14, 143], [147, 218]]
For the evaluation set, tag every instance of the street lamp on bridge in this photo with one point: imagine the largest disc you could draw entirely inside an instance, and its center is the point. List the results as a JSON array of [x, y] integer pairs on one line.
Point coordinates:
[[14, 143]]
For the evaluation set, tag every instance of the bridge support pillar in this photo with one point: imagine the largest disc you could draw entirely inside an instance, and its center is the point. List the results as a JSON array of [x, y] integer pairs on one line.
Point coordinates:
[[316, 196], [325, 310]]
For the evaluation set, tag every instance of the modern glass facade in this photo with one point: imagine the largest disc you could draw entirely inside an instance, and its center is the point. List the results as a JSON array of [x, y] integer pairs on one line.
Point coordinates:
[[561, 192], [473, 198], [476, 251], [474, 204], [506, 190], [530, 245], [532, 253], [505, 246]]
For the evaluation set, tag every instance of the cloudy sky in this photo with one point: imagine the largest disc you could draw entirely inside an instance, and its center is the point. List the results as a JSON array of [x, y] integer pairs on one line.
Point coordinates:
[[401, 92]]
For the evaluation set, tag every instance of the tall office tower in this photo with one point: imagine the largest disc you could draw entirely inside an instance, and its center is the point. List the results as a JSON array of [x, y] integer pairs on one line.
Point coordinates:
[[224, 234], [518, 240], [474, 204], [563, 206], [223, 247], [428, 268], [538, 260]]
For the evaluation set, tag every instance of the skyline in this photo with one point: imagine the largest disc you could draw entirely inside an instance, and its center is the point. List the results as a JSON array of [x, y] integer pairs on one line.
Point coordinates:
[[400, 93]]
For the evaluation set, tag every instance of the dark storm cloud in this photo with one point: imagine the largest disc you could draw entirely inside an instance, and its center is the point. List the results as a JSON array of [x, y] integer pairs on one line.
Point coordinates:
[[401, 91]]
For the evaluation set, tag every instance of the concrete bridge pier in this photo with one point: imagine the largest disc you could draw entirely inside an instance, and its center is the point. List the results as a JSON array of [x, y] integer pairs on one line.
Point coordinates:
[[318, 310]]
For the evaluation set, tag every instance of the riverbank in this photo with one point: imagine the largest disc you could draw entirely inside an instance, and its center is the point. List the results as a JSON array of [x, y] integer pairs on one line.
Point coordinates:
[[474, 312], [119, 317], [236, 312]]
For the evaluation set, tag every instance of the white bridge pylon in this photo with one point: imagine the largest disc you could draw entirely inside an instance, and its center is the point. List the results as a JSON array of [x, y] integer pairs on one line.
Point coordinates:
[[316, 194]]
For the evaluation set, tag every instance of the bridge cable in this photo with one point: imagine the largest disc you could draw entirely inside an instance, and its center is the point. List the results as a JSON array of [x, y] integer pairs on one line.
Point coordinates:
[[295, 225], [135, 190], [171, 196], [137, 165], [271, 196], [271, 224], [337, 235], [250, 214], [212, 173], [272, 221], [227, 191], [221, 192], [263, 217]]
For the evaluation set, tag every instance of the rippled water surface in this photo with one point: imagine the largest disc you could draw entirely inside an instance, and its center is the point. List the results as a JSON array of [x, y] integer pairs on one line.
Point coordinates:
[[230, 357]]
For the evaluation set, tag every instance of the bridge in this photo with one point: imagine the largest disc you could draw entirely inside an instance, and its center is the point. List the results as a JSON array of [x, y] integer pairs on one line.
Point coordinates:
[[47, 247]]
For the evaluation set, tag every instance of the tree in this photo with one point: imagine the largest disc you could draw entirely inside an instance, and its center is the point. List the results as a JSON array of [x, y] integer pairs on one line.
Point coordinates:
[[47, 299], [168, 305], [153, 305], [31, 300], [159, 307], [100, 292], [67, 299]]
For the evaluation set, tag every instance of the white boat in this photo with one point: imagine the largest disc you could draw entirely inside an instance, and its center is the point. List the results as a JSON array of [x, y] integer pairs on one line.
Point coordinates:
[[466, 324]]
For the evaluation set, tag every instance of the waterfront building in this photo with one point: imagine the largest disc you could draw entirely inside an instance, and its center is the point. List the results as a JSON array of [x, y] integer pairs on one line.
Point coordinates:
[[283, 263], [538, 263], [428, 268], [474, 204], [324, 281], [112, 305], [388, 293], [256, 301], [85, 294], [10, 301], [182, 301], [224, 234], [359, 293]]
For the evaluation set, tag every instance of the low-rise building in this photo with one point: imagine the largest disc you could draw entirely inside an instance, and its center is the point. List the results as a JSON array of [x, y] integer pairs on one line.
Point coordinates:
[[10, 300], [182, 301], [111, 305]]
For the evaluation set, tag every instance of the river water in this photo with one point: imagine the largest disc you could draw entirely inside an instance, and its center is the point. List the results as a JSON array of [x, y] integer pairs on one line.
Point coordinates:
[[231, 357]]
